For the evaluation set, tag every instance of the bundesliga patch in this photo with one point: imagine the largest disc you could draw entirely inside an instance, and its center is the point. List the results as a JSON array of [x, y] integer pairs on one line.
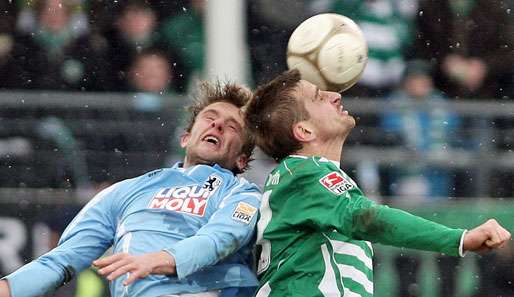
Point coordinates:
[[336, 183], [244, 212]]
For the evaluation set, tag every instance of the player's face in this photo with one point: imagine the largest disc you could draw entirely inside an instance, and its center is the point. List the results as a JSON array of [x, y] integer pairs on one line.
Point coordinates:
[[217, 136], [326, 111]]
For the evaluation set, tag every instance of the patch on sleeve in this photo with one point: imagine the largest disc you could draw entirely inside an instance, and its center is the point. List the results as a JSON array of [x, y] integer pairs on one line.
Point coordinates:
[[336, 183], [244, 212]]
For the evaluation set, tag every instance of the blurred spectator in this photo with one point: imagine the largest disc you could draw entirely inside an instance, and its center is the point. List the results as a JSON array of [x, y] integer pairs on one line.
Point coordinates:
[[270, 23], [8, 11], [151, 77], [27, 22], [53, 57], [136, 30], [150, 72], [387, 27], [102, 13], [471, 43], [184, 33], [423, 124]]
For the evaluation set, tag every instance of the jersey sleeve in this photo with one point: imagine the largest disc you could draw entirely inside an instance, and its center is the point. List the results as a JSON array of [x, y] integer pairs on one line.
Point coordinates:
[[86, 238], [323, 199], [230, 228]]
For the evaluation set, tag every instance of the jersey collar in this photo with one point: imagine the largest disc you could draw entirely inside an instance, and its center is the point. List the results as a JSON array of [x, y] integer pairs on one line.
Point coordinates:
[[180, 167], [322, 159]]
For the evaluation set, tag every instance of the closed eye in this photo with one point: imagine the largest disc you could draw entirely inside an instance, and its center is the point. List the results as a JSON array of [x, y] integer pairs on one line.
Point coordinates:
[[210, 118]]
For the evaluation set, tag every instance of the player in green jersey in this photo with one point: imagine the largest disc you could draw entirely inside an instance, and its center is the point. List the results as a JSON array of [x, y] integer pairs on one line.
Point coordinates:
[[316, 225]]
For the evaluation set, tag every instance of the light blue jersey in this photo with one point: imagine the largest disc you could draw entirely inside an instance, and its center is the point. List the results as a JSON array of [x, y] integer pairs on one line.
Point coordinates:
[[201, 215]]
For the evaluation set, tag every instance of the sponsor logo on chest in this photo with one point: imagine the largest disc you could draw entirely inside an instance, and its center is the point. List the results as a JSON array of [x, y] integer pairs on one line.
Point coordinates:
[[192, 199], [336, 183]]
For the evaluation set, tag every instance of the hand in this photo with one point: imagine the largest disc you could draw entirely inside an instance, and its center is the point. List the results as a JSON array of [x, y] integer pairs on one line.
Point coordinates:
[[138, 266], [456, 67], [4, 289], [486, 237], [477, 71]]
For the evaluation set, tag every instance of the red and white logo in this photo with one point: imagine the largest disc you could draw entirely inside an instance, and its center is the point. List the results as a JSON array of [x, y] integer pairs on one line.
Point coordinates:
[[190, 199], [336, 183]]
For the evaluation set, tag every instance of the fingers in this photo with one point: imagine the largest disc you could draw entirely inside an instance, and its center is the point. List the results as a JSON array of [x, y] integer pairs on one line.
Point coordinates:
[[134, 276], [99, 263], [488, 236], [126, 268], [117, 265], [494, 240], [498, 237], [502, 237], [113, 266]]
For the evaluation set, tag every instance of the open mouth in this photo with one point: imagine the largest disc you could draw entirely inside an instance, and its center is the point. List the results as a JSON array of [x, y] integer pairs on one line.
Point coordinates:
[[212, 139]]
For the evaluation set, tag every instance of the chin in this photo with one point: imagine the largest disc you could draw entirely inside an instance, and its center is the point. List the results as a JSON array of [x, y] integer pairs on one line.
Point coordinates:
[[352, 121]]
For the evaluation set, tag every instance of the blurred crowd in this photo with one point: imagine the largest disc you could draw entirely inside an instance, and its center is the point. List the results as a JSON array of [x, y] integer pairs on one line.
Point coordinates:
[[125, 46], [110, 45]]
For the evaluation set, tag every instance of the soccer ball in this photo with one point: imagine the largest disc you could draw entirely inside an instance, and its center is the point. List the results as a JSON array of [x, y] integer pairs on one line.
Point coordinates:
[[329, 50]]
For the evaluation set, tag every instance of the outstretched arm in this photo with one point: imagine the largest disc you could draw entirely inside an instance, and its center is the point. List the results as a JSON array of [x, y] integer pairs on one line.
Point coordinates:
[[329, 200], [379, 223], [88, 236]]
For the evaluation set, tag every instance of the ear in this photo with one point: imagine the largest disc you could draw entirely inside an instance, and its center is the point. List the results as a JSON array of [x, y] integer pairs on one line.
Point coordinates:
[[184, 139], [242, 162], [304, 132]]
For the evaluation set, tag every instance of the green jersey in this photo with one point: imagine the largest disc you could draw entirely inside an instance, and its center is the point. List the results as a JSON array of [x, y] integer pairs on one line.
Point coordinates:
[[315, 231]]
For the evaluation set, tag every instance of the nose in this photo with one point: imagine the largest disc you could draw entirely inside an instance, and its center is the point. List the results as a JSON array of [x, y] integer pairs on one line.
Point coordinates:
[[333, 97], [217, 124]]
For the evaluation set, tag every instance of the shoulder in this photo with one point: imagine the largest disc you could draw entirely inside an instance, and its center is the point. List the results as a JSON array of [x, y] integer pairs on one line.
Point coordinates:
[[240, 186], [296, 172], [247, 186], [148, 177], [302, 165], [222, 178]]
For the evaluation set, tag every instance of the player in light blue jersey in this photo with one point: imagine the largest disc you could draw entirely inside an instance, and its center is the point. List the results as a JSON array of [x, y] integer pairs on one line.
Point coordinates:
[[175, 231]]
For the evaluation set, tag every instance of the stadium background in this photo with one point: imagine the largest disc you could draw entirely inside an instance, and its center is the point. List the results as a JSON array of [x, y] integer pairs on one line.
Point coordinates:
[[81, 116]]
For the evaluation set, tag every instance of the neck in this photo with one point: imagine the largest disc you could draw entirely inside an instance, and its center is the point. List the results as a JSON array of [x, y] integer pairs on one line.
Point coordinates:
[[188, 162], [331, 150]]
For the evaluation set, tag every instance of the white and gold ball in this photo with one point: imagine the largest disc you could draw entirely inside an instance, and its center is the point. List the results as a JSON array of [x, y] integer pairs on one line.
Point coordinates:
[[329, 50]]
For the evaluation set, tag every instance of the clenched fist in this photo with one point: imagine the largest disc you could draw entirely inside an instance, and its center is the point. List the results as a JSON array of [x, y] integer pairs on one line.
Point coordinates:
[[490, 235]]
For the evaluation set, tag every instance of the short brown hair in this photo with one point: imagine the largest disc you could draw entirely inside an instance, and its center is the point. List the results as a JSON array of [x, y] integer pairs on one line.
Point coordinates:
[[272, 113], [210, 93]]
